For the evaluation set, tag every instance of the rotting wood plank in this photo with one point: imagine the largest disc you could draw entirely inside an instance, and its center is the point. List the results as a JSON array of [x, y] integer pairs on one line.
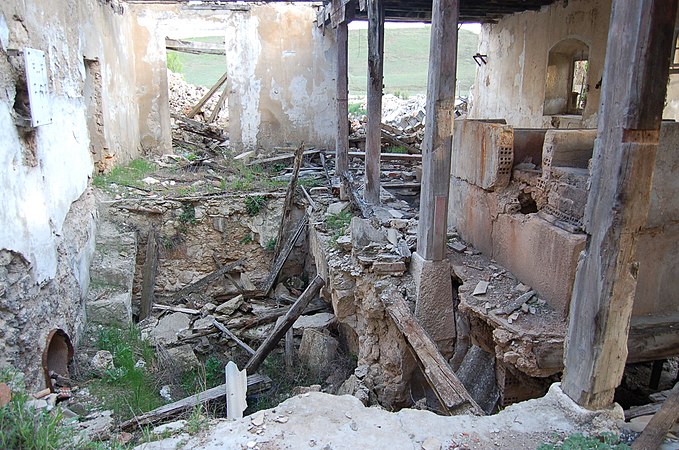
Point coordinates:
[[288, 320], [284, 254], [373, 132], [219, 106], [289, 198], [149, 272], [256, 383], [195, 48], [283, 157], [206, 280], [632, 100], [232, 336], [390, 156], [196, 109], [448, 388], [176, 309], [355, 199], [661, 422], [200, 128], [269, 316]]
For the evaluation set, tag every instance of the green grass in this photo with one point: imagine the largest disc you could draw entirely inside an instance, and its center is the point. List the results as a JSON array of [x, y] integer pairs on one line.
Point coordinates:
[[202, 70], [396, 149], [339, 221], [130, 175], [406, 61], [356, 109], [607, 441], [254, 204], [127, 389]]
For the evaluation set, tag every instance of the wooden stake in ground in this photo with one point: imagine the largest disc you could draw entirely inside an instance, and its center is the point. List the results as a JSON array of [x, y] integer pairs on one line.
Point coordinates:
[[279, 330], [149, 270], [283, 256], [660, 424], [289, 197]]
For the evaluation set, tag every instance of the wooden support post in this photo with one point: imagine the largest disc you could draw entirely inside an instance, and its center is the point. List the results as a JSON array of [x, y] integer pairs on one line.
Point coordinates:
[[279, 330], [438, 131], [289, 198], [289, 350], [633, 93], [342, 137], [375, 75], [206, 97], [148, 282]]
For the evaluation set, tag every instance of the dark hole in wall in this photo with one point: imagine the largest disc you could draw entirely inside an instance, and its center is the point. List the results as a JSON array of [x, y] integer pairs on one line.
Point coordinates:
[[528, 205], [56, 356]]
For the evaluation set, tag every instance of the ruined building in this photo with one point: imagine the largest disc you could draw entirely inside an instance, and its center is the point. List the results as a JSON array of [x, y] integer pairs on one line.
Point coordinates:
[[545, 244]]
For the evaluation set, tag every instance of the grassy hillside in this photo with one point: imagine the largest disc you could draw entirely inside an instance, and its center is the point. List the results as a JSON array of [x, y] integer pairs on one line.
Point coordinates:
[[406, 56], [406, 53]]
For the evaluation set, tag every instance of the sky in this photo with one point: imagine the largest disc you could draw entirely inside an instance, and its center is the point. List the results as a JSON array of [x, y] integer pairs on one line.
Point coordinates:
[[362, 25]]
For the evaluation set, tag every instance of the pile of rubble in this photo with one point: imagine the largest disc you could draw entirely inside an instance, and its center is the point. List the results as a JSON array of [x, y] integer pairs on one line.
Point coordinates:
[[184, 96]]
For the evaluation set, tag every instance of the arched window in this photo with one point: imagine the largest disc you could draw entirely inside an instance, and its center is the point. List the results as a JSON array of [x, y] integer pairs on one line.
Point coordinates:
[[567, 85]]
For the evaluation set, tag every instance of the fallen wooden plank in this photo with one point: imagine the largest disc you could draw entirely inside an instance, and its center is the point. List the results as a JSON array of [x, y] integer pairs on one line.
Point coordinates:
[[200, 128], [149, 271], [271, 316], [283, 255], [312, 203], [256, 383], [448, 388], [355, 198], [643, 410], [283, 157], [206, 280], [390, 156], [195, 48], [219, 106], [176, 309], [402, 185], [287, 203], [196, 109], [233, 337], [279, 330], [661, 422]]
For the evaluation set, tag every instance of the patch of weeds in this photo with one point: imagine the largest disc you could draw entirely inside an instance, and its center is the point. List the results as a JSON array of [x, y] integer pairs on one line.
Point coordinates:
[[396, 149], [196, 422], [401, 94], [247, 239], [339, 221], [357, 109], [270, 245], [606, 441], [254, 204], [206, 376], [310, 182], [188, 214], [130, 175], [22, 427], [129, 388], [171, 242], [273, 185]]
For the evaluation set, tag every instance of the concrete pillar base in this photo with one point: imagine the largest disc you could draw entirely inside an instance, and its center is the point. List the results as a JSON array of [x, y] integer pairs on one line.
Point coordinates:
[[434, 308]]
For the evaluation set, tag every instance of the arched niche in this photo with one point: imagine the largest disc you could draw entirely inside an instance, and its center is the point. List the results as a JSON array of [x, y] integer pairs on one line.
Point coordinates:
[[567, 78]]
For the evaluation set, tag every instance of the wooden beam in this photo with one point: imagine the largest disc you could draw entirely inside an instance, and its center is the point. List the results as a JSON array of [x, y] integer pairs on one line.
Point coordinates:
[[206, 280], [219, 106], [373, 132], [654, 433], [389, 156], [448, 388], [342, 136], [149, 272], [287, 203], [633, 94], [288, 320], [284, 254], [438, 131], [232, 336], [196, 48], [256, 383], [196, 109]]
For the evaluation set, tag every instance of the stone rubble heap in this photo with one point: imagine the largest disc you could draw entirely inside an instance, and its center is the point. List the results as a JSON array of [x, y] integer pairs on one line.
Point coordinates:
[[184, 96]]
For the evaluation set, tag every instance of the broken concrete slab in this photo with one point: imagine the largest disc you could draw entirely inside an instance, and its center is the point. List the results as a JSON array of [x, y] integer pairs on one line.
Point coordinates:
[[315, 321], [481, 288], [183, 357], [364, 234], [166, 331], [336, 208], [229, 307], [116, 309]]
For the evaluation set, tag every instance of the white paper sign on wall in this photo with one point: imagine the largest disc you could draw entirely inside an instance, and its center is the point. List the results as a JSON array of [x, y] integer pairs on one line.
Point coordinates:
[[38, 93]]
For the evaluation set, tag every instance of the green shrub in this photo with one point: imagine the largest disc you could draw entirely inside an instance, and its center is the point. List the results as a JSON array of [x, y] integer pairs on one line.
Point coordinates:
[[606, 441], [339, 221], [357, 109], [396, 149], [173, 62], [254, 204]]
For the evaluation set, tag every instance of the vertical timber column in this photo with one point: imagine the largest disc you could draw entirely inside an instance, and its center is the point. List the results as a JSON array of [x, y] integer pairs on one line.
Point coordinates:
[[634, 87], [342, 137], [434, 308], [371, 193]]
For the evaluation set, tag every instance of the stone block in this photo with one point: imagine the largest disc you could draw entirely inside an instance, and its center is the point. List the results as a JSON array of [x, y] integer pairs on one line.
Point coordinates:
[[567, 148], [166, 331], [364, 234], [483, 153], [336, 208], [183, 357], [471, 212], [116, 309], [539, 254], [392, 268], [317, 350], [229, 307], [316, 321]]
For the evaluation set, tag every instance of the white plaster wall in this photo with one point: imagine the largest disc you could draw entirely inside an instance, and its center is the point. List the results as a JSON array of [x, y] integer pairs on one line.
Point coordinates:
[[281, 77], [512, 85]]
